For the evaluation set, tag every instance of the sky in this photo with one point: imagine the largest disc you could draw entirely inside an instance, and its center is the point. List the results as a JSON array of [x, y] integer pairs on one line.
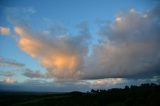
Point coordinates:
[[78, 45]]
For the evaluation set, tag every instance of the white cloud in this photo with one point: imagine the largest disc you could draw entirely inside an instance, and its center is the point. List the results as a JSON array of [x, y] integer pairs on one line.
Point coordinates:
[[110, 81], [129, 48], [118, 19]]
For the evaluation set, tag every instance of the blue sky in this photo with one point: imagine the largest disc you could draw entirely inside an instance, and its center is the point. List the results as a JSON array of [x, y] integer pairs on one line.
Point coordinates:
[[88, 42]]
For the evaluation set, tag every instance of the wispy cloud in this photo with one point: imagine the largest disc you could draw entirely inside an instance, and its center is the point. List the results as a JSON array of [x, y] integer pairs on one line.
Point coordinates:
[[4, 30], [8, 80], [20, 12], [34, 74], [15, 66], [110, 81], [7, 73], [4, 62]]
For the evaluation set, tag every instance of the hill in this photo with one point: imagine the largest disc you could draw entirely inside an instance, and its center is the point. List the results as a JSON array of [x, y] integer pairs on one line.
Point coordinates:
[[143, 95]]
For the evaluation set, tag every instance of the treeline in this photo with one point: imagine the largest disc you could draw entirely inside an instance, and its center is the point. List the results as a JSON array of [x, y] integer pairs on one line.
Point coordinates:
[[143, 95], [145, 86]]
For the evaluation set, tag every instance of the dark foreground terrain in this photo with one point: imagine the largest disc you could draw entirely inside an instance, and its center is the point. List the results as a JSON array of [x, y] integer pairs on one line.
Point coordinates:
[[144, 95]]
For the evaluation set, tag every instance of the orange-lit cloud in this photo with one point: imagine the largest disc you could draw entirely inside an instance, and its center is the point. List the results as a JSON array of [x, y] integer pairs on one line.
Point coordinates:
[[4, 30], [60, 57], [62, 66]]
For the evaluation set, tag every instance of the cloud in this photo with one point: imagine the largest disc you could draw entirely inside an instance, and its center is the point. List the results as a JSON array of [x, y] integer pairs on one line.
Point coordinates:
[[7, 73], [4, 30], [15, 67], [4, 62], [8, 80], [22, 13], [34, 74], [129, 48], [61, 55], [39, 85], [109, 81]]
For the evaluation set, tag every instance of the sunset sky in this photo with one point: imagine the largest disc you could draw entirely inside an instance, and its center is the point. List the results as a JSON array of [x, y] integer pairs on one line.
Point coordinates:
[[66, 45]]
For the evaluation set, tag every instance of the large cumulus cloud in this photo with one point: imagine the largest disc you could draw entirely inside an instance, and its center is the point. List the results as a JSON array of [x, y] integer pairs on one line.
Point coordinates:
[[129, 48]]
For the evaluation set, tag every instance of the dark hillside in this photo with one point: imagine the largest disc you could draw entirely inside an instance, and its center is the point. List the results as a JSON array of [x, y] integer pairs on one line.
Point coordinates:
[[144, 95]]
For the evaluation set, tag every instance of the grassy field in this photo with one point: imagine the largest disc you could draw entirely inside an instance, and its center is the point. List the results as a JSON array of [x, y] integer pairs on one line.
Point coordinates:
[[144, 95]]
